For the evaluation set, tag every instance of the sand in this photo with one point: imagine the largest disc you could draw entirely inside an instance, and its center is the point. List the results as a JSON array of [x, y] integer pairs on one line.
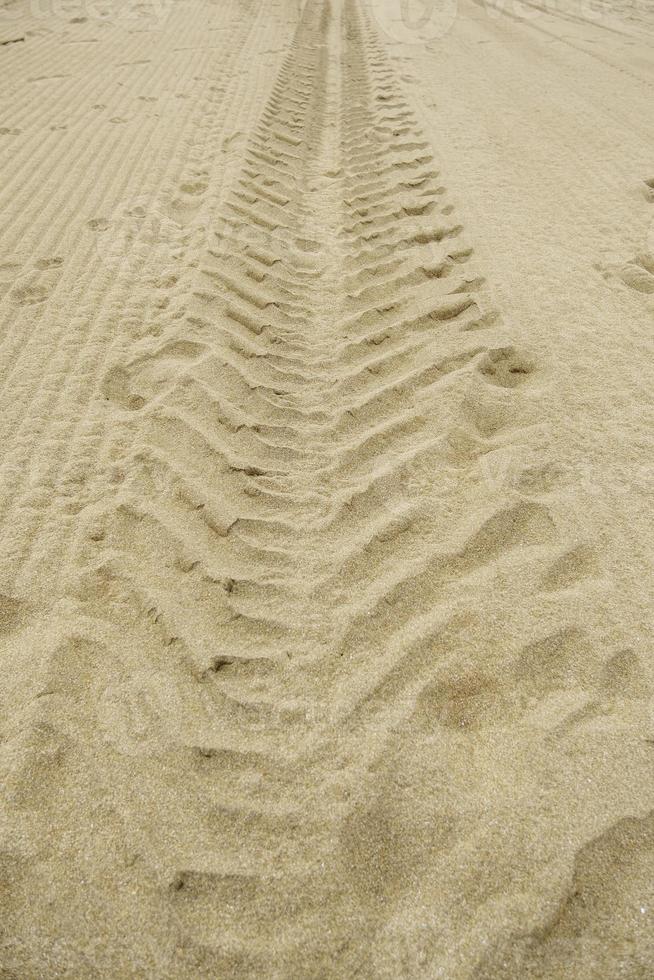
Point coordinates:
[[326, 415]]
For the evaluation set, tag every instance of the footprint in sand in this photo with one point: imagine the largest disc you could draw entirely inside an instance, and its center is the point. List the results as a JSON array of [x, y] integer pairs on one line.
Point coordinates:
[[133, 385], [8, 272], [189, 197], [638, 273], [36, 284]]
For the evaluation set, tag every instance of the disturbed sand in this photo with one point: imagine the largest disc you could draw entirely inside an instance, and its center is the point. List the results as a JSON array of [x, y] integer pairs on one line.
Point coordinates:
[[326, 415]]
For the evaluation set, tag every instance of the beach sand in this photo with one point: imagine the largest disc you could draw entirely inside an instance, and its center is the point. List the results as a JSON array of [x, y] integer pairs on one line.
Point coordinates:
[[327, 428]]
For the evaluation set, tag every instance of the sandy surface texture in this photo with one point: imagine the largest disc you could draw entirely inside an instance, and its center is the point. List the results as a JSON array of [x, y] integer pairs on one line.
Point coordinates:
[[326, 486]]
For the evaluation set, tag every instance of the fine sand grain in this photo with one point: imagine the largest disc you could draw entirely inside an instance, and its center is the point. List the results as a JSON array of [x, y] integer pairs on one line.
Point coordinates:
[[326, 476]]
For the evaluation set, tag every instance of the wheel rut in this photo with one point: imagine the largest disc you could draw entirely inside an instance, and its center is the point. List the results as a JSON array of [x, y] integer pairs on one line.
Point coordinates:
[[277, 596]]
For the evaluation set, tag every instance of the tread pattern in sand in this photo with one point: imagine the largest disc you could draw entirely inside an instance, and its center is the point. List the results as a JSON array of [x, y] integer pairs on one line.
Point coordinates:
[[275, 597]]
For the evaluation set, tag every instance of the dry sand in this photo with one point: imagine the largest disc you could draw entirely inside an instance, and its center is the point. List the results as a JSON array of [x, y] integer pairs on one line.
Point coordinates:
[[327, 427]]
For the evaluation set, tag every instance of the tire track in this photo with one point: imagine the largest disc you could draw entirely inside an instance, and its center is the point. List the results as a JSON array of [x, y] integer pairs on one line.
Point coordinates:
[[291, 581]]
